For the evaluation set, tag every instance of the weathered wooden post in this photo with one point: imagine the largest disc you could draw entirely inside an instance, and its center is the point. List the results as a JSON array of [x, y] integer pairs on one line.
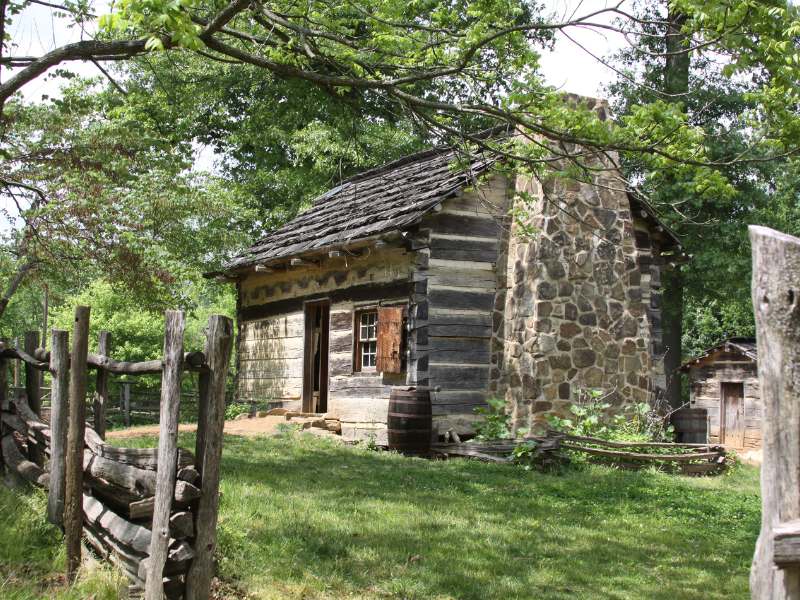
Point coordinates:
[[219, 342], [167, 452], [73, 495], [32, 378], [59, 411], [101, 386], [3, 401], [16, 367], [775, 574], [125, 403]]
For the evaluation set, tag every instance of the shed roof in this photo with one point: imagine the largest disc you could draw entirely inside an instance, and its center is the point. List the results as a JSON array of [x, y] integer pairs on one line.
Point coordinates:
[[385, 199], [746, 346]]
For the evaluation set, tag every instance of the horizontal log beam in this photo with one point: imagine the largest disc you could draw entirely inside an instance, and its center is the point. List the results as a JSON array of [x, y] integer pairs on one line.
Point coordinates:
[[192, 361], [15, 461], [786, 544], [142, 458]]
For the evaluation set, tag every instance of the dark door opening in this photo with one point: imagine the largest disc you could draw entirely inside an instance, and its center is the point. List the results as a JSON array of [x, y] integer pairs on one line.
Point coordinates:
[[315, 356]]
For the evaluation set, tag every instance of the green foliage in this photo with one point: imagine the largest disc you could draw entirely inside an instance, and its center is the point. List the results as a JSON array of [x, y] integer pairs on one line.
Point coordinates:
[[136, 332], [236, 409], [496, 422], [592, 417]]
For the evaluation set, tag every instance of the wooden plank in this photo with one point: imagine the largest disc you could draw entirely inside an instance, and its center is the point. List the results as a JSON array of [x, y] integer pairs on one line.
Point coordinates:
[[59, 411], [465, 225], [101, 386], [390, 334], [463, 249], [73, 494], [143, 458], [458, 350], [458, 377], [167, 451], [377, 291], [456, 299], [218, 349], [776, 301]]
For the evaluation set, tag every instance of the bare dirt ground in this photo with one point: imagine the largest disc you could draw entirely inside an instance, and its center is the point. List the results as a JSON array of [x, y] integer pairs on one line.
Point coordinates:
[[246, 427]]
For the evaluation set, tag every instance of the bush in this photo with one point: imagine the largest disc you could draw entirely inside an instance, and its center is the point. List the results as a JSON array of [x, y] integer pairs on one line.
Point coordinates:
[[637, 423], [235, 409], [496, 423]]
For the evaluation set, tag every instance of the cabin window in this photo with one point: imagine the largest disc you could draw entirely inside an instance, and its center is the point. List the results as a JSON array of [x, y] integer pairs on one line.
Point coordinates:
[[367, 351], [380, 339]]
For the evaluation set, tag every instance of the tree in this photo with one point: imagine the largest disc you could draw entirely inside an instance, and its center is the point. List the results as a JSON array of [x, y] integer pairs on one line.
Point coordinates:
[[99, 193], [447, 65], [712, 222]]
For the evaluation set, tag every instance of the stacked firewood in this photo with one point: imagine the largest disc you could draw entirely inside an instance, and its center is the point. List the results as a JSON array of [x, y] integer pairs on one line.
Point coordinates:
[[118, 499]]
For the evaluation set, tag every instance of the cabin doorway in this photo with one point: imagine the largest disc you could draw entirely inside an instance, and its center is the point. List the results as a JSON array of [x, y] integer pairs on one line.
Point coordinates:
[[315, 356], [732, 414]]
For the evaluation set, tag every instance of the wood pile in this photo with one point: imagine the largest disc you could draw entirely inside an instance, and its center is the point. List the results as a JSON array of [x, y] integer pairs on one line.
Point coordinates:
[[549, 450], [118, 499]]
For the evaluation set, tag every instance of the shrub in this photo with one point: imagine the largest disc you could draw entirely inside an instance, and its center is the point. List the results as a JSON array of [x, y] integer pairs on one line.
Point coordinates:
[[235, 409], [640, 422], [496, 423]]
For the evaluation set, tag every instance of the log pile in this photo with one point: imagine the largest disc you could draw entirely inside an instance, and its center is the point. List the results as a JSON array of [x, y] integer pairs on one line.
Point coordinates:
[[118, 499], [549, 450]]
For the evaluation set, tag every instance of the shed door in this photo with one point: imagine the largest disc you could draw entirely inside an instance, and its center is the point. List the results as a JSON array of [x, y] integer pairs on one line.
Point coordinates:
[[732, 414]]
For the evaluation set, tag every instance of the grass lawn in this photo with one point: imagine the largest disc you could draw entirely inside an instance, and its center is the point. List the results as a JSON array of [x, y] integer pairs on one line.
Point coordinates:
[[308, 518]]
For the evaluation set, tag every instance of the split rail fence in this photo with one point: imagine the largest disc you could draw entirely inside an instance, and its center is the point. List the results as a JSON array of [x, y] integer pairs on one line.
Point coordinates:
[[152, 512]]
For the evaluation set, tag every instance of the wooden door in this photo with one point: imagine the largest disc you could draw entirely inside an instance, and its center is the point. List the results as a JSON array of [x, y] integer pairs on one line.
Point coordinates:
[[732, 414], [315, 356]]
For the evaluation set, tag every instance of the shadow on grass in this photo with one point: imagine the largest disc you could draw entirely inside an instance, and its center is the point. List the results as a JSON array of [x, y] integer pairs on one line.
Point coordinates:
[[306, 518]]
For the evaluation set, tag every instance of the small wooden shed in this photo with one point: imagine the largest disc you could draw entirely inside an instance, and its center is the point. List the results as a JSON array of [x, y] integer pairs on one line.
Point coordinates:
[[724, 381]]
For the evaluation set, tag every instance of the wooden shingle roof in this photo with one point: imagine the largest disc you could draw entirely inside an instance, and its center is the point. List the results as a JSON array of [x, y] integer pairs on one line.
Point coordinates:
[[745, 346], [389, 198]]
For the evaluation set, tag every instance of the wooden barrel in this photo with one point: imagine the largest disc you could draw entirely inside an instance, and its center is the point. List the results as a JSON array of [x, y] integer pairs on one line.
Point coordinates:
[[409, 424], [691, 425]]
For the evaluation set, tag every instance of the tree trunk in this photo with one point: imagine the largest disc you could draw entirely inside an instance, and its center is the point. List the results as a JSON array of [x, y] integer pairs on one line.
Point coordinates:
[[676, 82], [776, 301]]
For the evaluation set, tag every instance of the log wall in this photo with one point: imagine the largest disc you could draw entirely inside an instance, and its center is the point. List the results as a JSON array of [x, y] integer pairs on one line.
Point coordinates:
[[271, 334], [466, 245]]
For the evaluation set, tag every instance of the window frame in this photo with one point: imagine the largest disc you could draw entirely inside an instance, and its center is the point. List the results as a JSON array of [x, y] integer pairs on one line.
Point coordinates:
[[358, 367]]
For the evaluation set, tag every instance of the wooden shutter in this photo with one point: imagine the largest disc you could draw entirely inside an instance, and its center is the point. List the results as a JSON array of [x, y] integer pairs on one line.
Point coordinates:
[[390, 336]]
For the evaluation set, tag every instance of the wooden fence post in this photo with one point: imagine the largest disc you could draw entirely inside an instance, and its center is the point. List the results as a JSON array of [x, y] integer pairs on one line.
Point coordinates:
[[101, 387], [167, 452], [775, 574], [59, 411], [32, 378], [125, 403], [73, 496], [4, 397], [219, 342]]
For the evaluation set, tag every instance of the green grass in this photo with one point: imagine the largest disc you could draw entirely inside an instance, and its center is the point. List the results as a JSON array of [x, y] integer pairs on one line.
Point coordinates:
[[32, 560], [307, 518]]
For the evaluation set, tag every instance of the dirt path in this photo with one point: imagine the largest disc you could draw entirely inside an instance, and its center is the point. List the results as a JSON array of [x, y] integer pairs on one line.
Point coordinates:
[[246, 427]]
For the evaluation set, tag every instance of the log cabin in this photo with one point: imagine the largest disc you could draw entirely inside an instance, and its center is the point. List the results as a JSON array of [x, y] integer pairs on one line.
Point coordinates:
[[415, 273], [724, 381]]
